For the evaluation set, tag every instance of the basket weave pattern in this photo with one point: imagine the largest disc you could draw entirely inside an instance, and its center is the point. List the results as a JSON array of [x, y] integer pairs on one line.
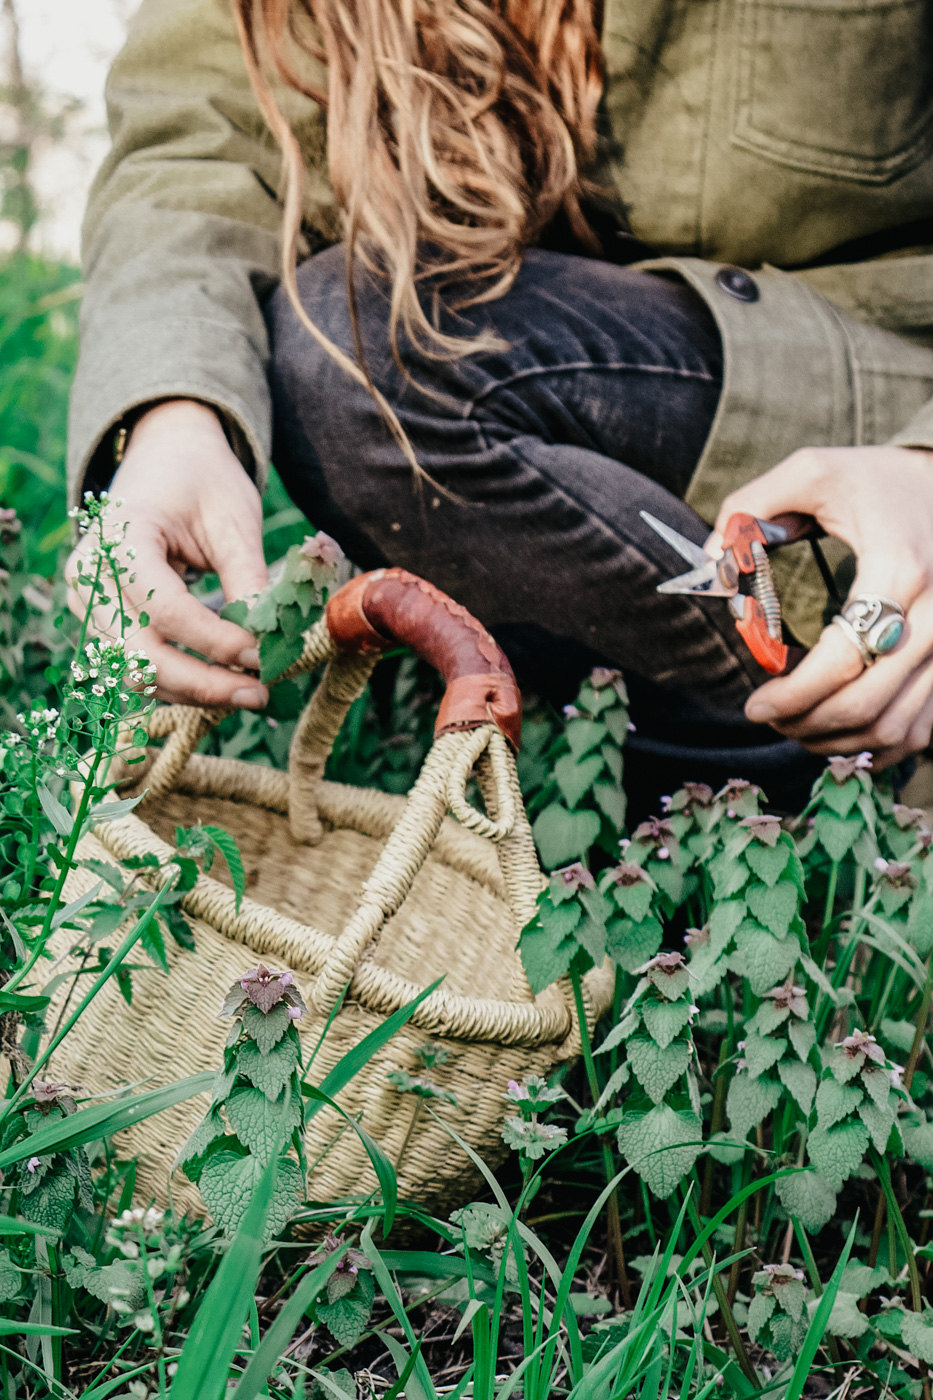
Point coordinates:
[[349, 889]]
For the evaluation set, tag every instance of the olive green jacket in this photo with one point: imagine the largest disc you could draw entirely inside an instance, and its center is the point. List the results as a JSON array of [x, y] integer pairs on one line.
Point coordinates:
[[790, 138]]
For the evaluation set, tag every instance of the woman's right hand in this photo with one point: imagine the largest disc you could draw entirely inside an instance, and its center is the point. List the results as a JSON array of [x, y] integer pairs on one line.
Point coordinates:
[[187, 502]]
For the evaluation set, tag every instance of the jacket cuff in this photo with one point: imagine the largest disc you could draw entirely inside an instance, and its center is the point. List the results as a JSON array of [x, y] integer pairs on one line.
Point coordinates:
[[919, 431], [113, 379]]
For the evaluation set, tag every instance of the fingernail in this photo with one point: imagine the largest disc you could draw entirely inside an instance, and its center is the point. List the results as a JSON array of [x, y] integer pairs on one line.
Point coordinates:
[[249, 698], [760, 713], [249, 659]]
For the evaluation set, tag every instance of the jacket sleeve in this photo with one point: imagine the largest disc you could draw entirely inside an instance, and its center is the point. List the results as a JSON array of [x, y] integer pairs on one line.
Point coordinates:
[[181, 236]]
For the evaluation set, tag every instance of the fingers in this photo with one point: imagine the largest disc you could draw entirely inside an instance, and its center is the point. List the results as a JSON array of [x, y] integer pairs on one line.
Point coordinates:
[[832, 665], [796, 484], [183, 679]]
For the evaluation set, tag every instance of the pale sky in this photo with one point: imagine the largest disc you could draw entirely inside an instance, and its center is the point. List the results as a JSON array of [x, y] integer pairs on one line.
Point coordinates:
[[67, 45]]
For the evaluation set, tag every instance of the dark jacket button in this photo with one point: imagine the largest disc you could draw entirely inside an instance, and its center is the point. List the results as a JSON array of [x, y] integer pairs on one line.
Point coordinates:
[[737, 283]]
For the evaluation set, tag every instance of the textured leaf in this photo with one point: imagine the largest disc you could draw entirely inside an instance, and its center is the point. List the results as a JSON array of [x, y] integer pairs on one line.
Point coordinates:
[[563, 836], [762, 1052], [809, 1197], [759, 1314], [786, 1336], [52, 1203], [837, 835], [877, 1080], [543, 959], [610, 798], [227, 1185], [749, 1101], [634, 900], [559, 920], [262, 1125], [861, 1279], [575, 777], [266, 1028], [583, 735], [792, 1297], [767, 862], [630, 944], [920, 923], [837, 1152], [276, 654], [878, 1122], [661, 1145], [774, 905], [346, 1318], [800, 1080], [10, 1277], [764, 959], [917, 1334], [802, 1036], [836, 1101], [657, 1069], [917, 1135], [723, 922], [112, 1281], [269, 1072], [841, 797], [664, 1020]]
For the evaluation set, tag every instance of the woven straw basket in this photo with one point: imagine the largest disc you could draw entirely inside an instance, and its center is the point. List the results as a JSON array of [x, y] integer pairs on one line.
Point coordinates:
[[346, 888]]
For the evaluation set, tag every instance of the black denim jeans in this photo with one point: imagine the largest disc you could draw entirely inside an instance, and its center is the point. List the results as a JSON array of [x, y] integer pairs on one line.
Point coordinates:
[[542, 454]]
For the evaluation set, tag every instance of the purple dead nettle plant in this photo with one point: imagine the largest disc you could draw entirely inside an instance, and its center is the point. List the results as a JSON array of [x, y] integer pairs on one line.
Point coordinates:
[[525, 1131], [258, 1107]]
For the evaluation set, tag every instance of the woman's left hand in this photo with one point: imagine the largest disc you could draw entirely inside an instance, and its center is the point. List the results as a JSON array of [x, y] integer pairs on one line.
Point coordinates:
[[879, 501]]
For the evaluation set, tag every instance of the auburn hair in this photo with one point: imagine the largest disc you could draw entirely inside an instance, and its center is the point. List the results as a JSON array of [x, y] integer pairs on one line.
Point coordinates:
[[456, 131]]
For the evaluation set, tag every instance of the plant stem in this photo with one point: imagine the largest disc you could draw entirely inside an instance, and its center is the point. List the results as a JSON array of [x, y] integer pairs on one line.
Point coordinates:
[[738, 1243], [613, 1220], [822, 946], [923, 1016], [716, 1122], [815, 1281], [723, 1299]]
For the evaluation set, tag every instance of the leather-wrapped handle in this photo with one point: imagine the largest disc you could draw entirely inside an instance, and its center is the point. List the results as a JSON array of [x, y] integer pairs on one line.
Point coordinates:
[[379, 610]]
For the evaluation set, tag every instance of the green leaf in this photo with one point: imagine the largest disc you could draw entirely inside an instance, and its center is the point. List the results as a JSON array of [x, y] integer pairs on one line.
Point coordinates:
[[917, 1334], [774, 905], [610, 798], [800, 1080], [759, 1313], [835, 1101], [630, 944], [10, 1277], [266, 1028], [544, 960], [860, 1279], [563, 836], [657, 1069], [661, 1145], [763, 959], [917, 1135], [840, 797], [837, 835], [346, 1319], [802, 1035], [210, 1128], [583, 735], [269, 1072], [767, 862], [920, 922], [52, 1202], [878, 1122], [111, 1281], [809, 1198], [762, 1052], [235, 612], [229, 1182], [230, 851], [262, 1125], [575, 777], [53, 809], [634, 900], [276, 654], [837, 1152], [664, 1020], [749, 1101]]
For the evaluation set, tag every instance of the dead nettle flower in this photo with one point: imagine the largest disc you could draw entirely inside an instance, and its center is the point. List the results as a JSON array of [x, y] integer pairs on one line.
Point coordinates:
[[573, 712], [33, 1163], [770, 1278], [343, 1279], [790, 998], [322, 549], [575, 877], [842, 768], [10, 524], [909, 818], [688, 797], [696, 937], [264, 989], [668, 973], [534, 1091], [603, 676], [58, 1095], [763, 829], [862, 1047], [657, 832], [628, 873], [897, 873]]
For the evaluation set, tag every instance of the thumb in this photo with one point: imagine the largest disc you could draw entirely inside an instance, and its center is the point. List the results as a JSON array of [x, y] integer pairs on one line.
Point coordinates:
[[793, 485]]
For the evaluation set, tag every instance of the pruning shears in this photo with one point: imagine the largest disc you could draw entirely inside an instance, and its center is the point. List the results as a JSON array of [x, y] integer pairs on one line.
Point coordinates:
[[743, 576]]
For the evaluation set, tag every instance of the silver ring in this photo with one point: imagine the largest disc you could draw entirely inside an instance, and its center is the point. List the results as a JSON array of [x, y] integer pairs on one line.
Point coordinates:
[[873, 623]]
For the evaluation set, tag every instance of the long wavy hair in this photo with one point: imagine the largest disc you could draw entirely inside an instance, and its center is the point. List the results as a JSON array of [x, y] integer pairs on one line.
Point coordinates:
[[456, 131]]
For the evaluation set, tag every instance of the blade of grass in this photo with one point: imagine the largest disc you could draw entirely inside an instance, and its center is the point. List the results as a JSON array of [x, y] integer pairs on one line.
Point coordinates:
[[204, 1364], [353, 1061], [818, 1324], [385, 1172]]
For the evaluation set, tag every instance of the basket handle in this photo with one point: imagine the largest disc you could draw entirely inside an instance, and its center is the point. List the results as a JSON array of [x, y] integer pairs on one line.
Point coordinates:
[[368, 616]]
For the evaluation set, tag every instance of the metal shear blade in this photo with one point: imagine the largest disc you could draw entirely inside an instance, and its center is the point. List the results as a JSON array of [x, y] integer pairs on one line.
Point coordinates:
[[703, 578]]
